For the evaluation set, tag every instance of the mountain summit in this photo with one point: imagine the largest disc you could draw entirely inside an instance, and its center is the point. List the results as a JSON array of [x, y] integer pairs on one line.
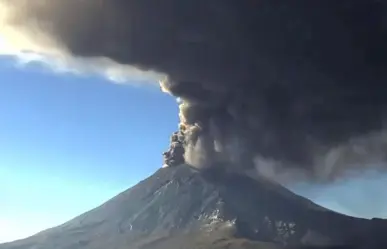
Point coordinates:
[[182, 207]]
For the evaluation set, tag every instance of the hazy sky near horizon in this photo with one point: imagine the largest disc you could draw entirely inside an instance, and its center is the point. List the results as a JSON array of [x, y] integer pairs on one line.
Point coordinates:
[[68, 143]]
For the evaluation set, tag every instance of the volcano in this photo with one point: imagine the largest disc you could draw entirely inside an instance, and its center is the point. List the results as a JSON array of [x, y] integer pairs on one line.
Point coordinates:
[[182, 207]]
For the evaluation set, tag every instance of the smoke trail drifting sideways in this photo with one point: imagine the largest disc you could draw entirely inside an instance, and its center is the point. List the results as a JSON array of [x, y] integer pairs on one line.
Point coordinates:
[[25, 32], [290, 83]]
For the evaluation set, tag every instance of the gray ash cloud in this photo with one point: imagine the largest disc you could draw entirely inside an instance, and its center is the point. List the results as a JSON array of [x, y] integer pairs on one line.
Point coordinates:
[[289, 82]]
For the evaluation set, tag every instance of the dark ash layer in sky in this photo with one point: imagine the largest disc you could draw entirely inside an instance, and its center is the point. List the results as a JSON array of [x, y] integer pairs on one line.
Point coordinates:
[[259, 80]]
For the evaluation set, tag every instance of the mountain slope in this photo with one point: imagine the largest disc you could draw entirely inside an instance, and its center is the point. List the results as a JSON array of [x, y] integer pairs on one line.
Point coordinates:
[[181, 207]]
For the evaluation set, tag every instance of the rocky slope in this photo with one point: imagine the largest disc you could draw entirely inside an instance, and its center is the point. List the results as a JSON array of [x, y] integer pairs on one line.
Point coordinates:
[[181, 207]]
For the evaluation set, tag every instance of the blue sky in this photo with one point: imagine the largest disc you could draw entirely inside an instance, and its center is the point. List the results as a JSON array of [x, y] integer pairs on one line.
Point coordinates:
[[68, 143]]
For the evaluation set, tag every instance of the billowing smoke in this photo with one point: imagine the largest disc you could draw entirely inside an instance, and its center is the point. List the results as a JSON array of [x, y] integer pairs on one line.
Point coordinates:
[[294, 89]]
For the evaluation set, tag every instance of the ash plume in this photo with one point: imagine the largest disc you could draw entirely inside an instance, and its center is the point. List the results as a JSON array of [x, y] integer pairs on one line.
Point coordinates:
[[290, 88]]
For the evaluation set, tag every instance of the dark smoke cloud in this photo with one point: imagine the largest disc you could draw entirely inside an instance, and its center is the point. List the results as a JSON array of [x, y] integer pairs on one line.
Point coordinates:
[[286, 87]]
